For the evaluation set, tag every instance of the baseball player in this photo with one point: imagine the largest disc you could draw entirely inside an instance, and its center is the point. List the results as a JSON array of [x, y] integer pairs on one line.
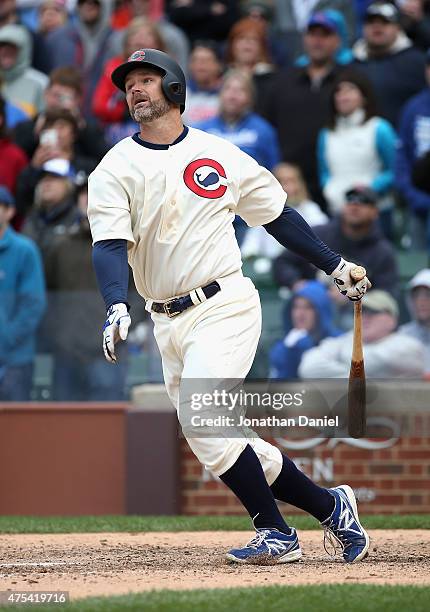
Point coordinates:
[[163, 201]]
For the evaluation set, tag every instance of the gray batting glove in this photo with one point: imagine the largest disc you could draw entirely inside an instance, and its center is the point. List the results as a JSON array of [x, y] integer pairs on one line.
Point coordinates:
[[346, 285], [115, 329]]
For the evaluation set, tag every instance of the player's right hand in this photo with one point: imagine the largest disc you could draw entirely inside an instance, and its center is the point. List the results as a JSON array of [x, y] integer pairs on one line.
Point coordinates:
[[115, 328], [346, 285]]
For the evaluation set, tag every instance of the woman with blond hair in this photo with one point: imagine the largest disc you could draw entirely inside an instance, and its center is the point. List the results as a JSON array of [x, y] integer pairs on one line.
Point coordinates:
[[257, 241], [109, 104], [292, 181], [237, 123]]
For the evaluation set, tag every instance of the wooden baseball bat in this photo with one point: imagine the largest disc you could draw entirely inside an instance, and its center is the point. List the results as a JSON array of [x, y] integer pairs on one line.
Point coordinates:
[[357, 374]]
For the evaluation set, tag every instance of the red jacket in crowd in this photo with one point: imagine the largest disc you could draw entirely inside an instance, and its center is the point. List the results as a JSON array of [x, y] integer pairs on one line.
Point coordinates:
[[12, 161], [109, 103]]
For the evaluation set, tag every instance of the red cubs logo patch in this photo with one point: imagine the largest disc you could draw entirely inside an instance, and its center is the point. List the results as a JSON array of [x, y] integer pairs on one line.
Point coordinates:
[[137, 56], [206, 178]]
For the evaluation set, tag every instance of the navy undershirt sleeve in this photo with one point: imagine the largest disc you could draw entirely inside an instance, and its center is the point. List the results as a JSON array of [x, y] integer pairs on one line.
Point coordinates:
[[292, 231], [111, 267]]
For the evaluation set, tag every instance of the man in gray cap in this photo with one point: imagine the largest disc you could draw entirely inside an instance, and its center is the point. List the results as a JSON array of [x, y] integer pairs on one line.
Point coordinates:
[[419, 307], [387, 352], [54, 207], [22, 303]]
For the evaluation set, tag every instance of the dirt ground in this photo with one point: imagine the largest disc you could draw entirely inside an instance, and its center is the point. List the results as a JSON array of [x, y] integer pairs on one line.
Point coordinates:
[[117, 563]]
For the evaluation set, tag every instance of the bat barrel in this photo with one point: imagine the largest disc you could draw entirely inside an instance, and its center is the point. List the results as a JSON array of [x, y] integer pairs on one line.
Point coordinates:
[[357, 378]]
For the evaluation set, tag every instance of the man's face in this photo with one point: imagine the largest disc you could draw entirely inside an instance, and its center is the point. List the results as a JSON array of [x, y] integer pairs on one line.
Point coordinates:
[[89, 11], [51, 190], [51, 17], [421, 304], [246, 49], [377, 325], [61, 96], [359, 215], [235, 98], [303, 314], [7, 7], [145, 98], [321, 44], [8, 55], [379, 33], [204, 66]]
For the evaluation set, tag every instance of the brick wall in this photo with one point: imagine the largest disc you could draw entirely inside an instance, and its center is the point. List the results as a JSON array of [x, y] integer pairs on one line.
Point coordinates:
[[388, 480]]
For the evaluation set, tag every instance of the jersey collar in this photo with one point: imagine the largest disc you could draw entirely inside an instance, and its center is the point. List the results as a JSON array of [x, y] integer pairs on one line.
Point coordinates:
[[160, 147]]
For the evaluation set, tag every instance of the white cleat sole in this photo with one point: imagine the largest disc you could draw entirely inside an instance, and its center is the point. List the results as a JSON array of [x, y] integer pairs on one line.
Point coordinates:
[[351, 498], [290, 557]]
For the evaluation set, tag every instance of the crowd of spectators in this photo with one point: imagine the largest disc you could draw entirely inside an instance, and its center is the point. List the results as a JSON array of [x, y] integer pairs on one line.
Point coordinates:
[[332, 96]]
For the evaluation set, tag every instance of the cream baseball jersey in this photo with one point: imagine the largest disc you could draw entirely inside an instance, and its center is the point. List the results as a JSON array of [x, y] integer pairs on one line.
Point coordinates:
[[175, 204]]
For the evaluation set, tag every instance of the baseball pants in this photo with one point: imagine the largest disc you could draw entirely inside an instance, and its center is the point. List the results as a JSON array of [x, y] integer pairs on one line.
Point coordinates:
[[215, 340]]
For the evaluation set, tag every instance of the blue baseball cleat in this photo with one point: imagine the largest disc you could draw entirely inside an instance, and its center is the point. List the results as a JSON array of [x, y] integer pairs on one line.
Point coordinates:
[[343, 527], [267, 547]]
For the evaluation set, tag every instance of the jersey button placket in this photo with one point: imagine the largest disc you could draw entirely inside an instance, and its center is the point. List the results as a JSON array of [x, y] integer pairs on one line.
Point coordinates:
[[170, 202]]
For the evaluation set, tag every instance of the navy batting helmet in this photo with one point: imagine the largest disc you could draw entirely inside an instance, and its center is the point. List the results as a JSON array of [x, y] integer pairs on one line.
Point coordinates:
[[173, 82]]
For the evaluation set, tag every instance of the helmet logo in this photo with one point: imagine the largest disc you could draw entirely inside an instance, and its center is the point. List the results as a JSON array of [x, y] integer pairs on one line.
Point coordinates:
[[138, 56], [206, 178]]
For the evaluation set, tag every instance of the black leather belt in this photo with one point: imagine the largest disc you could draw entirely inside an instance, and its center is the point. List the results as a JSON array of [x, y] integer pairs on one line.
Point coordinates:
[[174, 307]]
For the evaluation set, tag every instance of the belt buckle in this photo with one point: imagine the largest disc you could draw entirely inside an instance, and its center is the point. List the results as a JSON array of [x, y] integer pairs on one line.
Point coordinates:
[[166, 308]]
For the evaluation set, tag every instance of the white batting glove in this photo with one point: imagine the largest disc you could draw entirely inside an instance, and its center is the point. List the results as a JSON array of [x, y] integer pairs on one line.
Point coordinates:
[[115, 328], [346, 285]]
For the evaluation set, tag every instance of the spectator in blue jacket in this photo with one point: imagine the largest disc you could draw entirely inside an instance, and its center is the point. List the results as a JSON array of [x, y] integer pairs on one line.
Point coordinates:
[[22, 303], [309, 320], [414, 132], [237, 123]]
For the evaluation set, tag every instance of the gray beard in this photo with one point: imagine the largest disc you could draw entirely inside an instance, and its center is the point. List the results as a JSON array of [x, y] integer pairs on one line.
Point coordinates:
[[155, 110]]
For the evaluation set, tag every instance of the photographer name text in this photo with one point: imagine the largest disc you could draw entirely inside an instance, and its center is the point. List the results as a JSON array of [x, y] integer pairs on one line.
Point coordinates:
[[269, 421]]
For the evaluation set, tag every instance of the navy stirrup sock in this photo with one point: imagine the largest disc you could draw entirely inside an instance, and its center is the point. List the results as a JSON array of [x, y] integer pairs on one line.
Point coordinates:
[[247, 481], [294, 487]]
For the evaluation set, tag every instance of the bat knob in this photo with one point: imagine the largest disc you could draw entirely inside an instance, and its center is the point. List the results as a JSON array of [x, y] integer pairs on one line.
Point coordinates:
[[358, 273]]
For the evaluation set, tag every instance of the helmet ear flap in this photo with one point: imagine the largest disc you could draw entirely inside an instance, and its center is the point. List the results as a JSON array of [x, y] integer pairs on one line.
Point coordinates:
[[176, 88], [175, 92]]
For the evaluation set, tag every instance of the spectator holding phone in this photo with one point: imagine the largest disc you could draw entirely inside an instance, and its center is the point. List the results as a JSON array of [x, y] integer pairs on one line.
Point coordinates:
[[64, 92], [56, 141]]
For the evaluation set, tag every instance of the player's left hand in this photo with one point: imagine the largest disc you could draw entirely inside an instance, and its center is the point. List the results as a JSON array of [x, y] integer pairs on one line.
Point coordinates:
[[346, 285], [115, 328]]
